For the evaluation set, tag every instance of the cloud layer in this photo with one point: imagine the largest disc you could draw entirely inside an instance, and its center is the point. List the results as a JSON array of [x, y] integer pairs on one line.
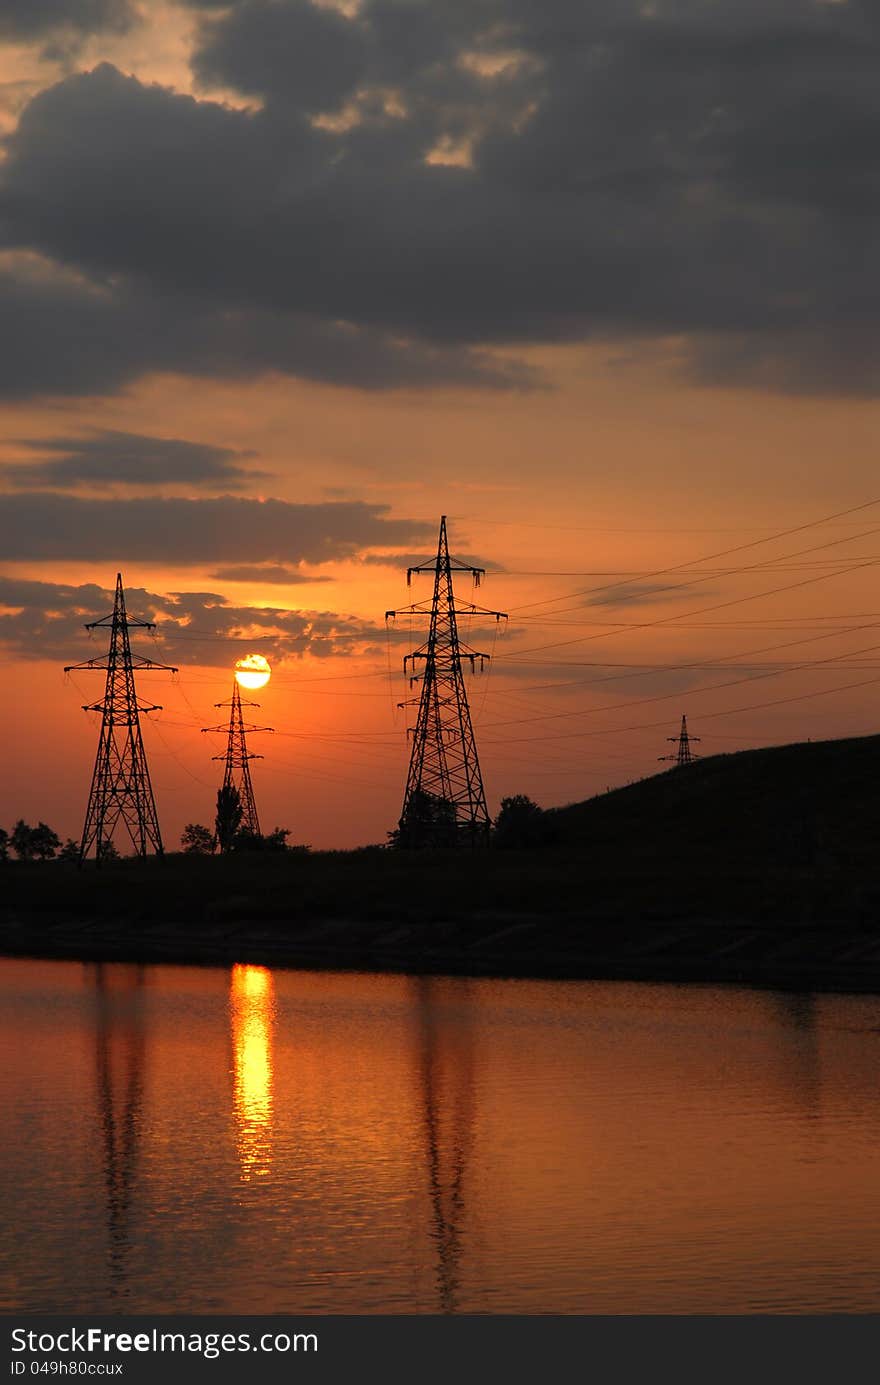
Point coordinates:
[[65, 335], [23, 19], [421, 182], [110, 457], [44, 620], [47, 527]]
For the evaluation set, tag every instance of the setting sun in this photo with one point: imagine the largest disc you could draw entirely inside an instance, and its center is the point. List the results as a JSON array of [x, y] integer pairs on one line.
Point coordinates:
[[252, 672]]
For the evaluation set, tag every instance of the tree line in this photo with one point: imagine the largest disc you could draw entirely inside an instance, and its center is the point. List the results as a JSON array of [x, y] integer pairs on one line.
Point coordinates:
[[38, 843], [519, 824], [229, 834], [432, 821]]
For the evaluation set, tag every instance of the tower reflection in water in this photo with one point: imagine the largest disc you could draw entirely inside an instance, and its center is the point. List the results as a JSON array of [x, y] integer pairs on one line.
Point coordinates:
[[119, 1064], [252, 1012], [446, 1073]]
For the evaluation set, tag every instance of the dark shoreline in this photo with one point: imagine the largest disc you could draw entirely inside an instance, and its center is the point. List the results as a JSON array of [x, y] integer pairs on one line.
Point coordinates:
[[758, 868], [791, 958]]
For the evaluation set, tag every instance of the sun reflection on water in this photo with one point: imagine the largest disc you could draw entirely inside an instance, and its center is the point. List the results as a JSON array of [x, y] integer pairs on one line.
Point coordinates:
[[252, 997]]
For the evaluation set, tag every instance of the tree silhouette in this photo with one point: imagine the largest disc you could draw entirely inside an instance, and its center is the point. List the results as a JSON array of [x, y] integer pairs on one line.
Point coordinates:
[[34, 843], [276, 840], [518, 823], [197, 840], [429, 821], [229, 816]]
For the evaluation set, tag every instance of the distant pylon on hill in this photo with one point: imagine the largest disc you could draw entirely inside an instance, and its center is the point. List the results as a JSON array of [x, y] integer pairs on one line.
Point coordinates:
[[444, 803], [237, 774], [682, 755], [121, 788]]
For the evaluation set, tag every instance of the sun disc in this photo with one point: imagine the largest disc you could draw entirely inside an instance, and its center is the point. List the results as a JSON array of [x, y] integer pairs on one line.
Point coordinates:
[[252, 672]]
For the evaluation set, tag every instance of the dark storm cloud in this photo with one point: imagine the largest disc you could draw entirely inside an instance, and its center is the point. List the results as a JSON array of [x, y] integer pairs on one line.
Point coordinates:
[[317, 55], [26, 19], [130, 459], [683, 171], [45, 620], [64, 336], [38, 526]]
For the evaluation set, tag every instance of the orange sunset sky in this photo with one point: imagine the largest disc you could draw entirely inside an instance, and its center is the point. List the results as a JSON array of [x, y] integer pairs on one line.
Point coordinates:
[[281, 283]]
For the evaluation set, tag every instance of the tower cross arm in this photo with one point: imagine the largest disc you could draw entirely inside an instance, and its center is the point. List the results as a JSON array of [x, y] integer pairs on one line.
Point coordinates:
[[137, 662], [461, 608], [459, 655], [452, 565], [89, 663], [418, 608], [467, 608], [223, 730], [108, 621], [141, 706]]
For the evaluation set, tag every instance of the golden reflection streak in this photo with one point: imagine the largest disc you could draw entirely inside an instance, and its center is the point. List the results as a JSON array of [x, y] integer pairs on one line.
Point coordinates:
[[252, 1009]]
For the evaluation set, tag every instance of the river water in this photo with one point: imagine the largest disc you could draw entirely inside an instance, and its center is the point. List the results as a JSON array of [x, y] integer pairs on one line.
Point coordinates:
[[254, 1140]]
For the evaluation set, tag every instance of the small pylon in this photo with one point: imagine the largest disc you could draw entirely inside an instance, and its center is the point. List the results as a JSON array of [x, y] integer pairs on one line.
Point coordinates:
[[682, 755], [444, 803], [121, 788], [237, 774]]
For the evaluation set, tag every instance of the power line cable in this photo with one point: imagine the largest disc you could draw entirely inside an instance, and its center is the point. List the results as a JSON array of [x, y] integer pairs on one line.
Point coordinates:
[[726, 552]]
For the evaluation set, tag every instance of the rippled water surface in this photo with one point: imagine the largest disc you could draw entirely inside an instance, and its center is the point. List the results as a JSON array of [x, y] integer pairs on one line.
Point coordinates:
[[251, 1140]]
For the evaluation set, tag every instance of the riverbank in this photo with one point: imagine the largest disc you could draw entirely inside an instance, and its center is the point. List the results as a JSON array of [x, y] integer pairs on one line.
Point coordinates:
[[783, 957], [758, 867], [541, 913]]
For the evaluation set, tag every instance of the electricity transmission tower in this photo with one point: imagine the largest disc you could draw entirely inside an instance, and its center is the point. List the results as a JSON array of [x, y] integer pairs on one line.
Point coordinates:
[[238, 757], [682, 755], [121, 788], [444, 803]]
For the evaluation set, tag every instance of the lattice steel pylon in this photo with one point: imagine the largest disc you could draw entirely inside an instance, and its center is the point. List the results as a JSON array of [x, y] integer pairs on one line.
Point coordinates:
[[682, 755], [237, 773], [444, 803], [121, 788]]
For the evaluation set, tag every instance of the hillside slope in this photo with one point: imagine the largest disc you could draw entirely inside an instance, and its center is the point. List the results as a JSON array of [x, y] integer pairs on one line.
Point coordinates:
[[809, 804]]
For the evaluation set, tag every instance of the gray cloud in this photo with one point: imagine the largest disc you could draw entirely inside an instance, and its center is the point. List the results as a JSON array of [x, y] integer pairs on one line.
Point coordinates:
[[45, 620], [25, 19], [130, 459], [267, 572], [63, 336], [649, 593], [683, 170], [315, 55], [49, 527]]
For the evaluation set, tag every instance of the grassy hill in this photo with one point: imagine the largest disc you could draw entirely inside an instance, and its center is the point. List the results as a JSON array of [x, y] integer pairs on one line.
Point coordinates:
[[795, 801]]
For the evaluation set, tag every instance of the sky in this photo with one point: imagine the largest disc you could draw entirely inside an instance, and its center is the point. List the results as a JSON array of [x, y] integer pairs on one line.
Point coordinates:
[[282, 282]]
